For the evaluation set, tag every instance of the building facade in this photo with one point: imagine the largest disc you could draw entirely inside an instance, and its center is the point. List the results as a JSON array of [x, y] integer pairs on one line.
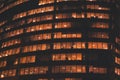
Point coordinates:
[[59, 40]]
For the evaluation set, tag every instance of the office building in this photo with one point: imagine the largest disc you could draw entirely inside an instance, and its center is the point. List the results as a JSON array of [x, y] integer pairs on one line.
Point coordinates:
[[59, 40]]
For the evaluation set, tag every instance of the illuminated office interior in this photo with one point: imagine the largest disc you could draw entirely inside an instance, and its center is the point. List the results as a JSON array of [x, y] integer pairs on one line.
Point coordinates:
[[59, 40]]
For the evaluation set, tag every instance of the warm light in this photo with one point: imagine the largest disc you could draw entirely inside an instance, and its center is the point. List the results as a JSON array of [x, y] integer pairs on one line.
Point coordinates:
[[101, 16], [91, 0], [6, 54], [56, 17], [33, 20], [39, 37], [42, 11], [32, 29], [21, 16], [74, 15], [65, 25], [82, 16], [56, 26], [40, 28], [2, 76], [99, 8]]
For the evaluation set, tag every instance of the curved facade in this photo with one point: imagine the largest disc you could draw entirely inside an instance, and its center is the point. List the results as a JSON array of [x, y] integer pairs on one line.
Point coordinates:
[[59, 40]]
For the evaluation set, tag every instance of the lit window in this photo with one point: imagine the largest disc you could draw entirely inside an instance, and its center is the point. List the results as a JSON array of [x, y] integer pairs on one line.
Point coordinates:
[[100, 25], [39, 27], [78, 15], [34, 70], [72, 79], [117, 51], [69, 45], [79, 45], [65, 0], [9, 52], [16, 62], [117, 71], [42, 2], [63, 25], [12, 5], [69, 15], [40, 18], [27, 59], [67, 35], [97, 7], [69, 69], [11, 42], [36, 47], [97, 45], [117, 40], [2, 23], [7, 73], [98, 15], [3, 63], [99, 35], [117, 60], [90, 0], [67, 56], [20, 15], [40, 37], [100, 70], [14, 33]]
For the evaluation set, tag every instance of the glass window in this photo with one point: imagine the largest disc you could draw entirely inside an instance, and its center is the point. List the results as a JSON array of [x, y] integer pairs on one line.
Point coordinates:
[[40, 10], [98, 7], [36, 47], [63, 15], [9, 52], [117, 71], [2, 23], [67, 56], [67, 35], [11, 42], [117, 60], [7, 73], [12, 5], [39, 18], [34, 70], [69, 45], [42, 2], [117, 40], [20, 15], [14, 33], [117, 51], [100, 25], [3, 63], [97, 45], [27, 59], [99, 35], [39, 27], [63, 25], [100, 70], [98, 15], [40, 37], [65, 0], [69, 69], [78, 15], [16, 62], [79, 45]]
